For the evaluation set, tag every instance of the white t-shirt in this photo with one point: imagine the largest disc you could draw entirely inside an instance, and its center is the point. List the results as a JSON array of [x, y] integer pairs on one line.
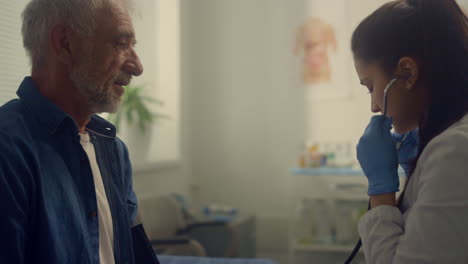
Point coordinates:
[[106, 235]]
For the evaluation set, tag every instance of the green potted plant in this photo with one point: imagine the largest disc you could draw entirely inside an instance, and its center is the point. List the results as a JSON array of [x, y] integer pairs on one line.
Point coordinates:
[[135, 110]]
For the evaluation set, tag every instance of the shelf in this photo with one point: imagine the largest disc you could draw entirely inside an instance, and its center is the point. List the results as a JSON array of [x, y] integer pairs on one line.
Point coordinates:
[[324, 248]]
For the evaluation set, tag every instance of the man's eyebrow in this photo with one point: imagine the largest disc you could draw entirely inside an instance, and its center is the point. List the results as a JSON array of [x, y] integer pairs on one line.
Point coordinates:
[[128, 35]]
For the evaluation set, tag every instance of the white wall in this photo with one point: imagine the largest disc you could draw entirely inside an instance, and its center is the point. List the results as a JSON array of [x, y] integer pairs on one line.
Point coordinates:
[[247, 108], [246, 112], [344, 119]]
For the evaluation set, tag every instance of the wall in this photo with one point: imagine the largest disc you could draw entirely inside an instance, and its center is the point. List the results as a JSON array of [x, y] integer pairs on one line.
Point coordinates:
[[344, 119], [247, 111]]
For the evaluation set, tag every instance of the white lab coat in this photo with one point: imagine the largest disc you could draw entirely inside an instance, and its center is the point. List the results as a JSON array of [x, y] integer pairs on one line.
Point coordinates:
[[433, 227]]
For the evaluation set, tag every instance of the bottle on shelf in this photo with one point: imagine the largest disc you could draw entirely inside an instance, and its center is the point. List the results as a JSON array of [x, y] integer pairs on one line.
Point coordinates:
[[302, 227], [323, 229], [348, 214], [315, 155], [331, 156]]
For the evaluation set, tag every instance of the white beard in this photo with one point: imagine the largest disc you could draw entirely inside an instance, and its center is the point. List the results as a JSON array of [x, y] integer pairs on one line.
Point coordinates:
[[99, 98]]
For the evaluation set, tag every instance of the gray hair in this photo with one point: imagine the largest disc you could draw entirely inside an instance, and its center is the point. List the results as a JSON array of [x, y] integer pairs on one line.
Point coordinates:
[[40, 16]]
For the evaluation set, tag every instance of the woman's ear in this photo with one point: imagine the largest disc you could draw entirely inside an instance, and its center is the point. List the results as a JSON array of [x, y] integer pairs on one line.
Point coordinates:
[[408, 71]]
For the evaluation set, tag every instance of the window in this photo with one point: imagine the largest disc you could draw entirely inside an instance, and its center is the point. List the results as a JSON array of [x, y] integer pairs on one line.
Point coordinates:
[[14, 64], [157, 30]]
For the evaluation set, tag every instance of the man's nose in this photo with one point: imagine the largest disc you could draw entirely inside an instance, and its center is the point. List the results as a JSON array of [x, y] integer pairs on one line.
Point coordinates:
[[133, 64]]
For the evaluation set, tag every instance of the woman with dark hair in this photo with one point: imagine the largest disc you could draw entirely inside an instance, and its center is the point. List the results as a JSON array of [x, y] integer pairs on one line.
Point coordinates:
[[416, 50]]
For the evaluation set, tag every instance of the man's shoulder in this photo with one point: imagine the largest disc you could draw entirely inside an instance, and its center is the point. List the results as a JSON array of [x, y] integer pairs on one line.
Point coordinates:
[[14, 122], [11, 112]]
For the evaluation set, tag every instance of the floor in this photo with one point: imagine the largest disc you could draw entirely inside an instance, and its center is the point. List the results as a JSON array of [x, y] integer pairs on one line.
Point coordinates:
[[281, 257]]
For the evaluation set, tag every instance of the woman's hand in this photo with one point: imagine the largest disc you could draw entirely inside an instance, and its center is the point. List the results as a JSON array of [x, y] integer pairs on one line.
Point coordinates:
[[378, 156]]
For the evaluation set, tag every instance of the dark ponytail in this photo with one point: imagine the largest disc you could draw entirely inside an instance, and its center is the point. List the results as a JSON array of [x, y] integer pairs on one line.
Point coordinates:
[[445, 57], [435, 33]]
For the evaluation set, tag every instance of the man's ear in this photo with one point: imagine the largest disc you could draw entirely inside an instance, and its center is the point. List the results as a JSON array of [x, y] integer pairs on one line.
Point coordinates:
[[61, 40], [408, 71]]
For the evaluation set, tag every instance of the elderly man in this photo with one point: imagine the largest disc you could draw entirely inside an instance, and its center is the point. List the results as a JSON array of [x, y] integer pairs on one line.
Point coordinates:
[[66, 187]]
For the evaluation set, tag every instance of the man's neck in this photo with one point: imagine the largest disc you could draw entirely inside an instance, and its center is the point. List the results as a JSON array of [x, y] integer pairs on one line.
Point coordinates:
[[60, 92]]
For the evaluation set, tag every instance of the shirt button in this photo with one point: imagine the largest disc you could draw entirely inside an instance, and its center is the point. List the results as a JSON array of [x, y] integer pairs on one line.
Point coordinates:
[[93, 214]]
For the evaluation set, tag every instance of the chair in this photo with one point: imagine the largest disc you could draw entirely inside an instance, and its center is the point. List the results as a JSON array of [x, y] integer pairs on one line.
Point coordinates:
[[171, 234]]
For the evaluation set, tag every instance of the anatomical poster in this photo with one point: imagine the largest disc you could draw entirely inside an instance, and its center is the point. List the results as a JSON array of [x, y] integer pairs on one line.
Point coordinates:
[[322, 48]]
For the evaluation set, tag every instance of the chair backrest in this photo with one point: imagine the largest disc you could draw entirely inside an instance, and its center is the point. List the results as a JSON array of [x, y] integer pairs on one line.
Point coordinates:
[[161, 216]]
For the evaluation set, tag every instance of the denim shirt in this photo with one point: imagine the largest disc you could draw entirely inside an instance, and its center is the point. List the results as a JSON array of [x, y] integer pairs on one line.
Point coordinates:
[[47, 196]]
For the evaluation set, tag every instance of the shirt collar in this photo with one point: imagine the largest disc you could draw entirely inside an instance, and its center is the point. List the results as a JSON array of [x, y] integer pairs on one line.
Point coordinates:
[[53, 117], [100, 126]]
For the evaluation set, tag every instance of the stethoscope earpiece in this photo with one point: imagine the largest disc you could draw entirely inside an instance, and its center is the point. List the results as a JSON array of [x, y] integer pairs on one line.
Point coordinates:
[[387, 89], [405, 76]]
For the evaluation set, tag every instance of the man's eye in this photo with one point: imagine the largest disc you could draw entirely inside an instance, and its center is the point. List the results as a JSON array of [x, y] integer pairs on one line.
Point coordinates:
[[121, 44]]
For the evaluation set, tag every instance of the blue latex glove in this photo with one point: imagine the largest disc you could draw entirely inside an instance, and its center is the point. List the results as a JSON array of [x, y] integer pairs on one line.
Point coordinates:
[[378, 156], [409, 148]]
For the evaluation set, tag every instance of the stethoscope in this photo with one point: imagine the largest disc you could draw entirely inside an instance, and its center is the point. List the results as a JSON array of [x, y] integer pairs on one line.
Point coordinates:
[[386, 91], [398, 145]]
